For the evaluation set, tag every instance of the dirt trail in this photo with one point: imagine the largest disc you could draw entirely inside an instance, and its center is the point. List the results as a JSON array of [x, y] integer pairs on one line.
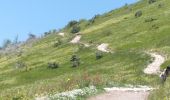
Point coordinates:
[[103, 47], [133, 93], [154, 67], [76, 39], [61, 34], [122, 95]]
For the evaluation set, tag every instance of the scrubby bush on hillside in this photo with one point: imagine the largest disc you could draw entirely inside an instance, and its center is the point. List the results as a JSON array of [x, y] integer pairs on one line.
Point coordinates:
[[53, 65], [151, 1], [94, 18], [57, 43], [75, 29], [21, 65], [46, 33], [31, 36], [138, 14], [75, 61], [99, 55], [91, 41], [72, 23], [150, 19], [155, 26], [6, 43], [160, 5]]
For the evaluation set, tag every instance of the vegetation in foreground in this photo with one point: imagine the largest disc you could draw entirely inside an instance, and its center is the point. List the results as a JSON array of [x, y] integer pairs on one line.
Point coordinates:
[[44, 67]]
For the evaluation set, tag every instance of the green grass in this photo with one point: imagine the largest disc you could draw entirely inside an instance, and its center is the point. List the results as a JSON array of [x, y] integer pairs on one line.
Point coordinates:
[[128, 37]]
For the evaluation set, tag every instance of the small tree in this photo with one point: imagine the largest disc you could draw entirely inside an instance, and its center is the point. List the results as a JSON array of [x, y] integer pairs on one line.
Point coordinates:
[[75, 29], [138, 14], [160, 5], [150, 19], [99, 55], [21, 65], [72, 23], [53, 65], [6, 43], [151, 1], [57, 43], [75, 61], [46, 33], [31, 36], [15, 40], [94, 18]]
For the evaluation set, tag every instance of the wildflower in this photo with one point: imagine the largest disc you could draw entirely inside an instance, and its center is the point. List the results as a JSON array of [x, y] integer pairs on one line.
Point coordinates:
[[68, 79]]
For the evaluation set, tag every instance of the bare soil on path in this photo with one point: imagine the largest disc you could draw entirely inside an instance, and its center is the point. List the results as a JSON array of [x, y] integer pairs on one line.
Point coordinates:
[[122, 95]]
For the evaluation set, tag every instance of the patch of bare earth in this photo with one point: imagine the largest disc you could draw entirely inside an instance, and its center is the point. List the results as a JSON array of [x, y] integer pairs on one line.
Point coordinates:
[[103, 47], [121, 95], [76, 39], [61, 34], [154, 67]]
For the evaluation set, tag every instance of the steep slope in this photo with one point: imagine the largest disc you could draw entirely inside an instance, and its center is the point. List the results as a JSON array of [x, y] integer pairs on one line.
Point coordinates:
[[129, 39]]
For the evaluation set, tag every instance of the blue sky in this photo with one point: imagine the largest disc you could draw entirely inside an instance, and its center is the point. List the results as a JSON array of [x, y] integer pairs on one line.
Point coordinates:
[[38, 16]]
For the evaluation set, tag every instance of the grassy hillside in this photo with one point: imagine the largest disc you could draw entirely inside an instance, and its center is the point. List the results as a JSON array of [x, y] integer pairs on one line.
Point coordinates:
[[128, 37]]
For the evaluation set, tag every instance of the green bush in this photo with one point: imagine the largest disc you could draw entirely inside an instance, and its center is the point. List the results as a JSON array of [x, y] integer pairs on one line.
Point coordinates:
[[75, 61], [138, 14], [160, 5], [20, 64], [155, 26], [57, 43], [150, 19], [72, 23], [94, 18], [151, 1], [99, 55], [53, 65], [75, 29]]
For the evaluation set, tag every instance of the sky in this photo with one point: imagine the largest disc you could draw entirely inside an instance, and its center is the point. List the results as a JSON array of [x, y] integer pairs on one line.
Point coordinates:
[[20, 17]]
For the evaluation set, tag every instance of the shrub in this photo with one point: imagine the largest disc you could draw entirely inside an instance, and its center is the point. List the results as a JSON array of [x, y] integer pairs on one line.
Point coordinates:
[[99, 55], [53, 65], [72, 23], [138, 14], [150, 19], [94, 18], [75, 29], [6, 43], [46, 33], [21, 65], [160, 5], [75, 61], [57, 43], [151, 1], [155, 26], [17, 98], [31, 36]]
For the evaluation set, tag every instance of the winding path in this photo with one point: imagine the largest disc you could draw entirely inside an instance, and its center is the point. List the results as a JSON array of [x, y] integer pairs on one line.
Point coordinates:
[[154, 67], [76, 39], [141, 93]]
